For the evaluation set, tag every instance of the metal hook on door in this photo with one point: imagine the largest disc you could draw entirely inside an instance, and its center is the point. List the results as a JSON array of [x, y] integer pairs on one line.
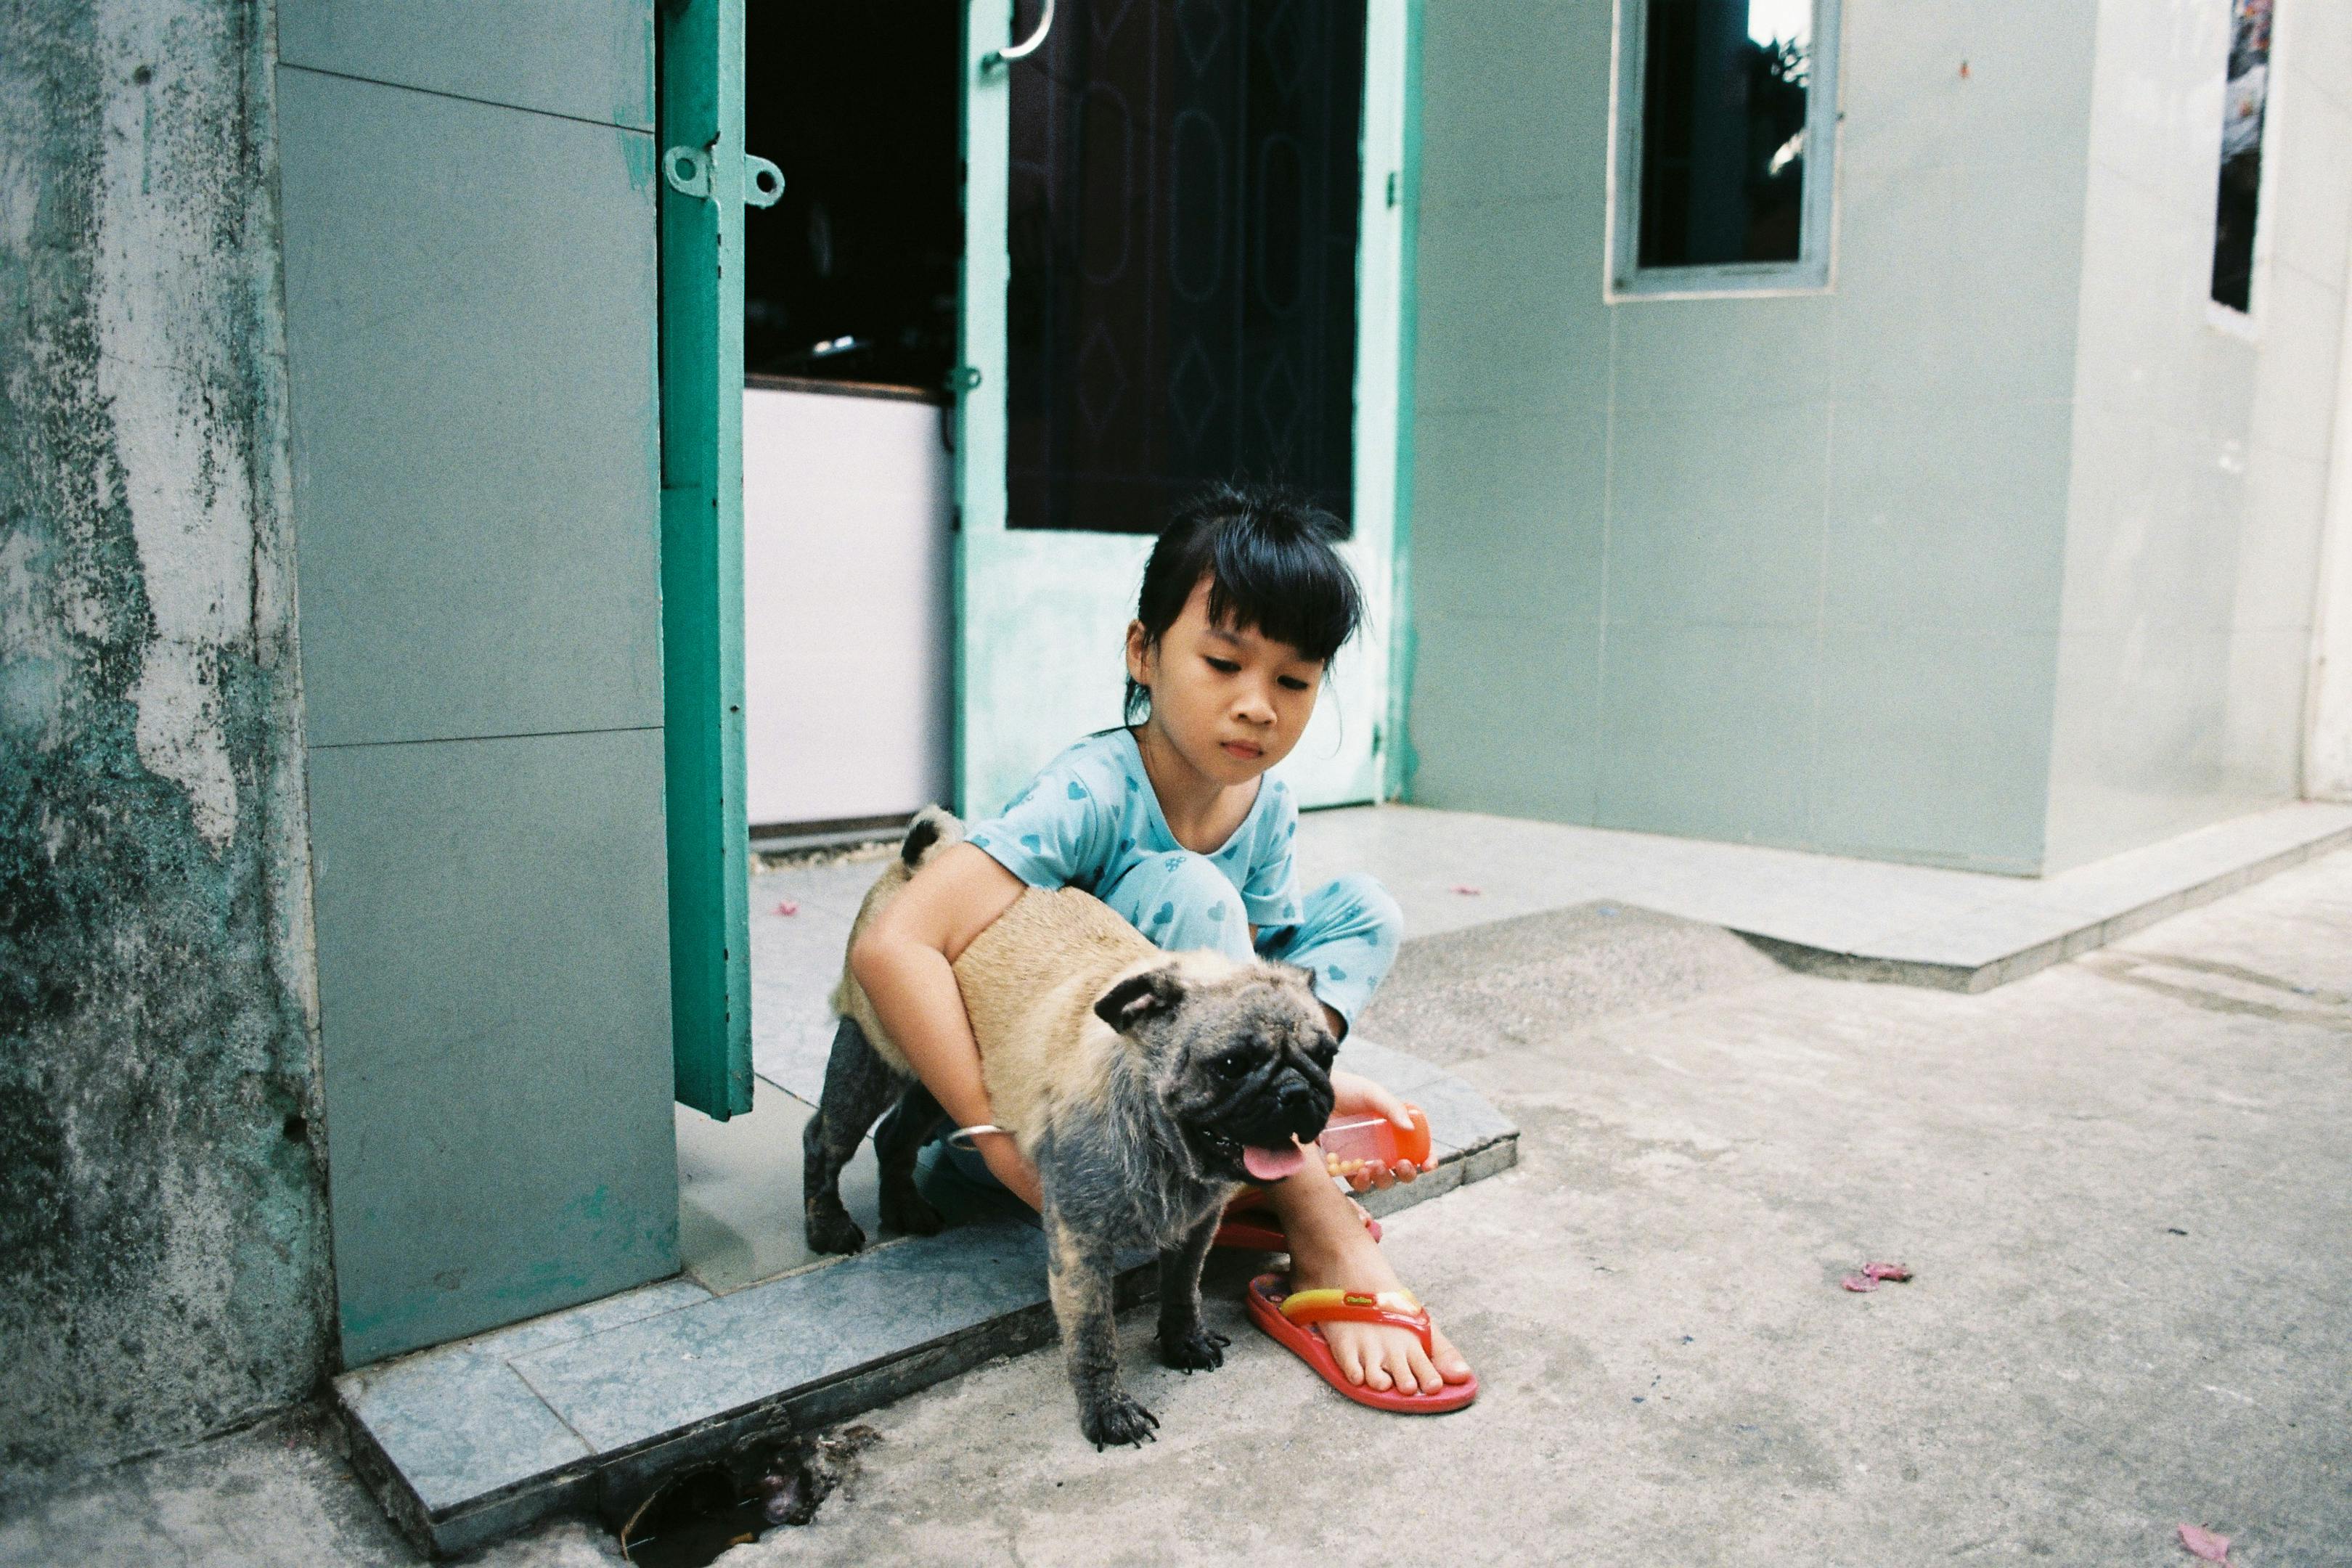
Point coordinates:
[[763, 182], [1024, 49], [687, 169]]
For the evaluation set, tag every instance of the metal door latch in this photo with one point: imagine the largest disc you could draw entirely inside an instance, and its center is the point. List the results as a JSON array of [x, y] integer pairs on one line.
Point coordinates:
[[997, 59], [687, 169]]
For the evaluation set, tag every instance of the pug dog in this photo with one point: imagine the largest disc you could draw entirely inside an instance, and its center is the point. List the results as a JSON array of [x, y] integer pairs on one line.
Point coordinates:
[[1147, 1087]]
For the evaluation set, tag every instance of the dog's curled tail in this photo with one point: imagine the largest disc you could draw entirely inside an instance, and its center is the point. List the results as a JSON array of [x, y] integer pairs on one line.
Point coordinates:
[[933, 829]]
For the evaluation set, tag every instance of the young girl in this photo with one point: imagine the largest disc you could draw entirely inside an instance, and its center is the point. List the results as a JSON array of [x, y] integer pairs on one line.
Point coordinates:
[[1172, 823]]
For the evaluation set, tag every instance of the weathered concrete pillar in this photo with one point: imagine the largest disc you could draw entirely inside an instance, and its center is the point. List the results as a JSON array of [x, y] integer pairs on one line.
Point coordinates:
[[163, 1244]]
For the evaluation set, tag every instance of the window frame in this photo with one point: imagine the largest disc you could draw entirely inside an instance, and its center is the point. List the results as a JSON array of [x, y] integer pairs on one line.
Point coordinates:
[[1811, 271]]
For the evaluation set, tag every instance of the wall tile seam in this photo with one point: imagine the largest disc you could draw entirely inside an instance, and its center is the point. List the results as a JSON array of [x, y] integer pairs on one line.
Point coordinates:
[[2329, 282], [2142, 414], [2306, 80], [1515, 202], [645, 131], [1821, 600], [461, 739], [2173, 192], [1591, 812], [1517, 410]]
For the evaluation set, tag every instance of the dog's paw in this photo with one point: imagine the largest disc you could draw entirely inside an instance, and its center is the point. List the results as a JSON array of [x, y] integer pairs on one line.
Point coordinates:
[[1114, 1417], [832, 1230], [1199, 1350], [909, 1213]]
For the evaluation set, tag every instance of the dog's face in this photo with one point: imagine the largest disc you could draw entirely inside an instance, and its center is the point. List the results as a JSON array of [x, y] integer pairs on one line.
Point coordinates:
[[1239, 1056]]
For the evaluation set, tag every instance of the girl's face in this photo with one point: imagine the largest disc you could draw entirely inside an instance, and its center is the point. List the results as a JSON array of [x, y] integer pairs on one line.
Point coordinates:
[[1232, 703]]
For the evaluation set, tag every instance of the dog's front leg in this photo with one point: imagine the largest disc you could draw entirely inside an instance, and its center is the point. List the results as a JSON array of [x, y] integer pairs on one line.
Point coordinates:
[[1078, 1275], [1185, 1344]]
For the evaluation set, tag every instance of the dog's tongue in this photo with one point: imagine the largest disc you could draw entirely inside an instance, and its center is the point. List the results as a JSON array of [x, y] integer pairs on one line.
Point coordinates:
[[1271, 1164]]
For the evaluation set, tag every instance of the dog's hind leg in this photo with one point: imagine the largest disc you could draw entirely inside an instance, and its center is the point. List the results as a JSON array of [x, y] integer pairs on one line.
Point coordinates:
[[1185, 1344], [857, 1085], [901, 1133]]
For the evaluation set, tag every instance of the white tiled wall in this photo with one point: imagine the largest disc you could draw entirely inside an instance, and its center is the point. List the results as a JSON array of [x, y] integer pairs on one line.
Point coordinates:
[[2201, 441], [846, 612]]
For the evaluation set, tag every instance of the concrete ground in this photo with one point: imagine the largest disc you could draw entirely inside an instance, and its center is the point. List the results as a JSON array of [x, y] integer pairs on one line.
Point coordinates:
[[2124, 1184]]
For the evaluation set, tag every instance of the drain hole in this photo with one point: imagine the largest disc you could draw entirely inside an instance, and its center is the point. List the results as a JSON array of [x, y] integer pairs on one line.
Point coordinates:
[[693, 1517], [690, 1521]]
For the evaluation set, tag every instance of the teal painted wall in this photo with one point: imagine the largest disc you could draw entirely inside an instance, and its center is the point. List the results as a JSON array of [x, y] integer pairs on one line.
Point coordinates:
[[1784, 571], [164, 1221], [471, 334]]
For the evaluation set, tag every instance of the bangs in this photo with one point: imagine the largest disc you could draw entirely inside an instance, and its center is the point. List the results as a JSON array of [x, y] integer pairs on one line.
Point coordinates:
[[1273, 567]]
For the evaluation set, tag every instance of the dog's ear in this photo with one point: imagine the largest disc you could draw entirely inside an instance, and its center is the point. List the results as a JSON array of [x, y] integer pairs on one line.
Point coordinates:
[[1138, 996]]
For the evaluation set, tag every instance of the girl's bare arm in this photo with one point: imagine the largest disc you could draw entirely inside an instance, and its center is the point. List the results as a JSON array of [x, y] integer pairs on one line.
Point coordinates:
[[905, 960]]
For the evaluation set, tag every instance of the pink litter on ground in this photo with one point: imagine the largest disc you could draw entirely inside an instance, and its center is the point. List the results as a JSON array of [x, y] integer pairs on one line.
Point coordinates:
[[2202, 1543], [1897, 1272], [1465, 889], [1860, 1284], [788, 908]]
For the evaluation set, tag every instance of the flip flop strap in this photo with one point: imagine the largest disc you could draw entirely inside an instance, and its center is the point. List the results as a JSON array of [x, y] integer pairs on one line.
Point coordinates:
[[1305, 1307]]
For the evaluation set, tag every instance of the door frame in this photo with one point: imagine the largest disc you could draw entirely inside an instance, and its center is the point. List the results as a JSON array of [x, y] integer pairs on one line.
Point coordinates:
[[1385, 328]]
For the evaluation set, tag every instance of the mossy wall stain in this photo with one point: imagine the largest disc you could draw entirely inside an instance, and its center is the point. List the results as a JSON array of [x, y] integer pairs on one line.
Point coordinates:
[[163, 1266]]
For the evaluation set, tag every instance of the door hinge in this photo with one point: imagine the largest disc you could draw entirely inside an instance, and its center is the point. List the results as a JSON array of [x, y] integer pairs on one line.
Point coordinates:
[[687, 169]]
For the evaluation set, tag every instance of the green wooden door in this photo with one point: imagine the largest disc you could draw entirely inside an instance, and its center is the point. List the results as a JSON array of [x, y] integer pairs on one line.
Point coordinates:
[[1041, 610]]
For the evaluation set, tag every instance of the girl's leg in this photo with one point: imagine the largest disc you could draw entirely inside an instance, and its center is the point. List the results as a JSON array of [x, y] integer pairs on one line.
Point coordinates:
[[1331, 1249], [1182, 903], [1348, 938]]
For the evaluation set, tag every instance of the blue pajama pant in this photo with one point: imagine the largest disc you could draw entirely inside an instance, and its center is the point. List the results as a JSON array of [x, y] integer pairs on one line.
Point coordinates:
[[1347, 936]]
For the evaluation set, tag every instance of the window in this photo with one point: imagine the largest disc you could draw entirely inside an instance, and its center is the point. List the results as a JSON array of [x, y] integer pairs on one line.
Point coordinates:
[[2241, 153], [1727, 111]]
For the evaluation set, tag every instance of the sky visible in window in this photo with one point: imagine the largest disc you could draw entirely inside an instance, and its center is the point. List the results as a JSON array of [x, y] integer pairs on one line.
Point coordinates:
[[1772, 21]]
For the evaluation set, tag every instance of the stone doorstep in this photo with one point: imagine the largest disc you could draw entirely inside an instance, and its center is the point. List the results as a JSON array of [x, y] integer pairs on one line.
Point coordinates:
[[1993, 946], [593, 1406]]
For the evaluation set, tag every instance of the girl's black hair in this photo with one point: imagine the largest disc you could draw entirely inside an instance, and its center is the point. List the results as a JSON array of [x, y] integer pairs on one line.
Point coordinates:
[[1273, 565]]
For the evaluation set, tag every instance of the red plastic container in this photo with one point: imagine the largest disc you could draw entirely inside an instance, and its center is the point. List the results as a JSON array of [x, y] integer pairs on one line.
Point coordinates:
[[1350, 1144]]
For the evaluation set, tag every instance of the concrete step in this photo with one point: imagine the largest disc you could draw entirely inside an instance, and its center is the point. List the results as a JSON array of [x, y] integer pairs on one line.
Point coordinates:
[[591, 1407]]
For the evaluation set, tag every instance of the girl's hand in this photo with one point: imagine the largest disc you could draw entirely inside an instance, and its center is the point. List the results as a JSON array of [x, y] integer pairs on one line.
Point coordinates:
[[1352, 1094], [1009, 1165]]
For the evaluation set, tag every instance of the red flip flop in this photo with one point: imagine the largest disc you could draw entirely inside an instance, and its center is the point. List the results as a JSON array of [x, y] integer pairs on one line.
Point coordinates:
[[1249, 1226], [1289, 1319]]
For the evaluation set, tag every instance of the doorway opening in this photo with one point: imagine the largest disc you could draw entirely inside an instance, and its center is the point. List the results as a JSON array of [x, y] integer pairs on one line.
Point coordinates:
[[1200, 217], [849, 330]]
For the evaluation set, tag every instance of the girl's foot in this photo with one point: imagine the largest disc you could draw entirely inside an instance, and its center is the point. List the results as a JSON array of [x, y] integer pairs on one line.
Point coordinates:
[[1330, 1249]]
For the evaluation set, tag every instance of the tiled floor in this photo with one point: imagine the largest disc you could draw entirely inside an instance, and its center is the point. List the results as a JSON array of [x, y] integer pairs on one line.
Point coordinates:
[[739, 1191], [1961, 930]]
